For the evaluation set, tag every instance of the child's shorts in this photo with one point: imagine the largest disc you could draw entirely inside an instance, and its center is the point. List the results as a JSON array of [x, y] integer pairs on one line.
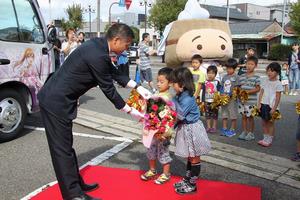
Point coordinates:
[[230, 110], [159, 151], [265, 112], [245, 109], [146, 75], [209, 112], [285, 82]]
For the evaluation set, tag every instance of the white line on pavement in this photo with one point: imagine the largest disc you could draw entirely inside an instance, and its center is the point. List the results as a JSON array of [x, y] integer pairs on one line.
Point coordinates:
[[95, 161]]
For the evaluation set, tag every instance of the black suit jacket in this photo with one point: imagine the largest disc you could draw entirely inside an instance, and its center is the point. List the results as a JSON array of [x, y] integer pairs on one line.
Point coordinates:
[[87, 66]]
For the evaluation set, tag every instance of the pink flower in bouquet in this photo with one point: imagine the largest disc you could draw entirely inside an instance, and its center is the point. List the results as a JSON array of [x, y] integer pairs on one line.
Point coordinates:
[[170, 103], [173, 113], [162, 129], [154, 107], [171, 124], [146, 116], [164, 122], [155, 120]]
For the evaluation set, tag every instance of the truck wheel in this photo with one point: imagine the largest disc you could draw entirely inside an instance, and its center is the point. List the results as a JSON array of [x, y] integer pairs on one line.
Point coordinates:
[[12, 114]]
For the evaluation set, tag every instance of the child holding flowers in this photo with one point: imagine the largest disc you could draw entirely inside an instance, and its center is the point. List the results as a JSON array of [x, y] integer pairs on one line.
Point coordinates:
[[191, 139], [268, 102], [159, 148], [250, 85]]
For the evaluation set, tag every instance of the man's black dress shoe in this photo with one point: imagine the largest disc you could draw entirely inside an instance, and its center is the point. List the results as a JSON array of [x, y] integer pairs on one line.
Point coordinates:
[[89, 187], [85, 197]]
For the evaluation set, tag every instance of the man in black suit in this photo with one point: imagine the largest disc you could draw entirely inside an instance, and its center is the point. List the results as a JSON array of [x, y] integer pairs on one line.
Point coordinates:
[[86, 67]]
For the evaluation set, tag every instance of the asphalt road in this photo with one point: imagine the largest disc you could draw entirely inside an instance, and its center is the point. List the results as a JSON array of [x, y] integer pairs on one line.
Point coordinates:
[[26, 164]]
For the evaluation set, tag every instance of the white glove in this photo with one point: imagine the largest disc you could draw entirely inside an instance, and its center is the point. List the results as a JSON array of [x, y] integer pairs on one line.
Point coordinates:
[[146, 94], [136, 114], [133, 112]]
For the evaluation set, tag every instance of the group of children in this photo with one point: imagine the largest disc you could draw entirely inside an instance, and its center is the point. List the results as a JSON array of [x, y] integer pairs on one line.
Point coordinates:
[[191, 140], [262, 95]]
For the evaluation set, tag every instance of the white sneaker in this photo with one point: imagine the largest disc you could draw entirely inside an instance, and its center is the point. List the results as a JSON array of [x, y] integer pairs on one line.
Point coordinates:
[[242, 136], [250, 136], [295, 93]]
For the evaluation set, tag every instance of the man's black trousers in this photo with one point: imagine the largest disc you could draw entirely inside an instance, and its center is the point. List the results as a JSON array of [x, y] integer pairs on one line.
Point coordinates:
[[64, 159]]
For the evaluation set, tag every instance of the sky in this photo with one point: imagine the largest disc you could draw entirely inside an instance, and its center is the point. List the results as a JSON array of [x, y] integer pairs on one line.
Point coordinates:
[[58, 6]]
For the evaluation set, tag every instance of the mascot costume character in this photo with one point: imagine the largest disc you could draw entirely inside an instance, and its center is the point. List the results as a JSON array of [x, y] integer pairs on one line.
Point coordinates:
[[194, 33]]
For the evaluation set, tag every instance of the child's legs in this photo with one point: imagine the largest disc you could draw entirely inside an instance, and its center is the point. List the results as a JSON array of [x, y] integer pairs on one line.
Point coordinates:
[[194, 160], [298, 135], [233, 112], [208, 122], [164, 157], [152, 164], [286, 89], [250, 123], [225, 115], [215, 123], [225, 122], [271, 129], [244, 123], [265, 126], [152, 154]]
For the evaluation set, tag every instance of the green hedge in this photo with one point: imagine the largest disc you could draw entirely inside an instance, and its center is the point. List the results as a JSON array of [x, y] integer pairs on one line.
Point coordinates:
[[279, 52]]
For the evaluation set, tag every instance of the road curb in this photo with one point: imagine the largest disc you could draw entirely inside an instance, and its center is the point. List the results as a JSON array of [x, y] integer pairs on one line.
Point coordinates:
[[259, 164]]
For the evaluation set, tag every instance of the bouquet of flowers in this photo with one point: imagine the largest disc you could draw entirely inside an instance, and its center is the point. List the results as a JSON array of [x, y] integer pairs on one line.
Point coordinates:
[[160, 115], [136, 101]]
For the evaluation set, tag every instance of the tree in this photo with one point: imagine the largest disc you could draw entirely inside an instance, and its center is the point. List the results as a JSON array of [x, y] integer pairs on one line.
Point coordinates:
[[136, 32], [165, 11], [295, 16], [75, 17]]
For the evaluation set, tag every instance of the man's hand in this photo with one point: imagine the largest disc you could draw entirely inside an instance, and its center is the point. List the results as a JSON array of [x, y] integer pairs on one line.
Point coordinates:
[[133, 112], [146, 94], [136, 114]]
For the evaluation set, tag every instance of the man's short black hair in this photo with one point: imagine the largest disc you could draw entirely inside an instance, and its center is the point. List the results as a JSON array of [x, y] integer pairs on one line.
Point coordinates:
[[212, 68], [231, 63], [197, 57], [251, 47], [253, 59], [165, 71], [145, 35], [119, 30]]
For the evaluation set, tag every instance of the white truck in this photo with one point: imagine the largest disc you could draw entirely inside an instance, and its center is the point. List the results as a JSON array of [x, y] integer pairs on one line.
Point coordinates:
[[26, 60]]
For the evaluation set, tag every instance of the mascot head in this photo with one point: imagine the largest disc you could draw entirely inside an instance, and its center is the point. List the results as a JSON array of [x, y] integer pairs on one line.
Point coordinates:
[[209, 38]]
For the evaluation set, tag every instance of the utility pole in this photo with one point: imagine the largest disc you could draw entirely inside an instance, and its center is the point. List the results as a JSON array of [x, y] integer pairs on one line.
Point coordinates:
[[98, 18], [145, 3], [283, 19], [228, 10], [109, 12], [90, 11]]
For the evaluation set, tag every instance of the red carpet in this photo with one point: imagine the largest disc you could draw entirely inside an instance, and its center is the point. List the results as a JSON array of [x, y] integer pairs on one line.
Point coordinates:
[[124, 184]]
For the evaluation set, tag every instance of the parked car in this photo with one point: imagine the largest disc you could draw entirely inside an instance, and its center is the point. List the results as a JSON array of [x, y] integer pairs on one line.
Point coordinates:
[[132, 54]]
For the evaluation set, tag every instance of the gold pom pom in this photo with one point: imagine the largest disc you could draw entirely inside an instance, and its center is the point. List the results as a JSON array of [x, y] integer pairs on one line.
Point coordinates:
[[235, 93], [255, 112], [225, 99], [275, 116], [201, 105], [298, 108], [243, 96], [217, 101]]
